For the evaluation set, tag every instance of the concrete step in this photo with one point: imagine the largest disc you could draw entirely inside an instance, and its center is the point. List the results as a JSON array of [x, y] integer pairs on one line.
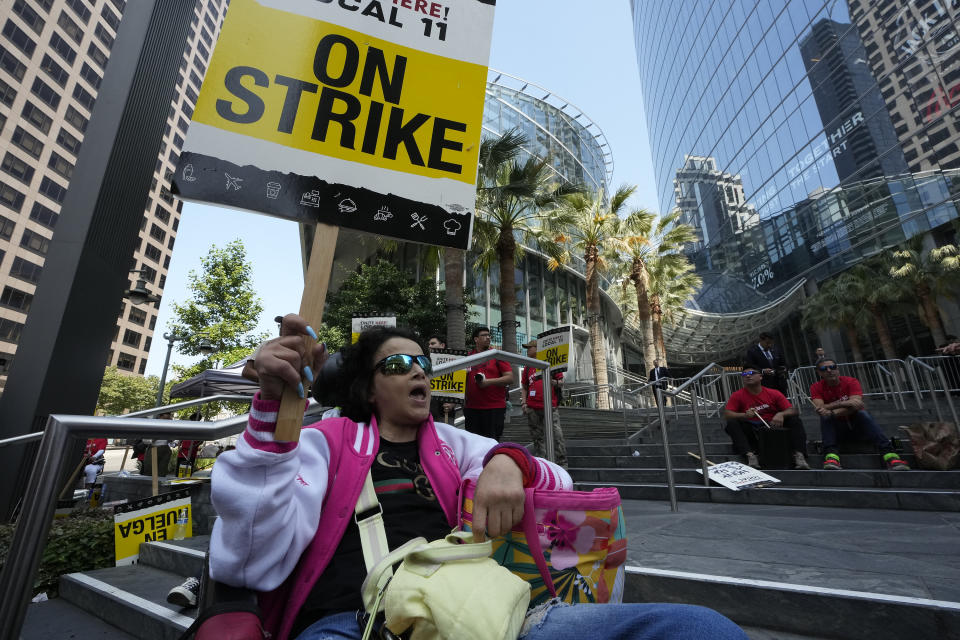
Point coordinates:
[[845, 497], [813, 612], [132, 598], [848, 478], [181, 557], [849, 461], [57, 619], [822, 572]]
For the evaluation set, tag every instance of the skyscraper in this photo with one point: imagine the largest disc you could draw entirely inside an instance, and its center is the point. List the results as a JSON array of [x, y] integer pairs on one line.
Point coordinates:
[[860, 135], [53, 54], [913, 49]]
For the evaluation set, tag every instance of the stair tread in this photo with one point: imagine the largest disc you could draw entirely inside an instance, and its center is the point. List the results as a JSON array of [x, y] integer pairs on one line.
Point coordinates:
[[57, 619]]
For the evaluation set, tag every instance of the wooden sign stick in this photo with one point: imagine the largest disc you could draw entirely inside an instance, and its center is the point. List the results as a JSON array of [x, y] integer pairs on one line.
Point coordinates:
[[290, 416], [710, 464]]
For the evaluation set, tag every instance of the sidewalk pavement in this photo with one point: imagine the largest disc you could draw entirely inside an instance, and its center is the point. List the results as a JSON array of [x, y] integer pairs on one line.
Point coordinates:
[[906, 553]]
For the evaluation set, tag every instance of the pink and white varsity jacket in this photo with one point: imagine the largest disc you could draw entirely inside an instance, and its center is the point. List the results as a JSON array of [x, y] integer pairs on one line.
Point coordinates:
[[279, 525]]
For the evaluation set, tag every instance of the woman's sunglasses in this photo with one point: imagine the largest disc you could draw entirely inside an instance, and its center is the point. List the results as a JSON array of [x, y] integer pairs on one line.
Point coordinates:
[[825, 367], [401, 363]]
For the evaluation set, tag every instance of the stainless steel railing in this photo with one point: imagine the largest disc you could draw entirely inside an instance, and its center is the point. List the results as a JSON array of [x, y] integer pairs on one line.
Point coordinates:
[[661, 396], [932, 375]]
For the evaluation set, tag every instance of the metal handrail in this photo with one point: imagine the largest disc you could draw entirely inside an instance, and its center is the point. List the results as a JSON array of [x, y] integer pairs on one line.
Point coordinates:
[[929, 372], [671, 483], [36, 435]]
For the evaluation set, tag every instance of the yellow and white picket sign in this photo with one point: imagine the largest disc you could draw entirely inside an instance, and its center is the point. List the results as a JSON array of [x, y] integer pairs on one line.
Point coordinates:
[[359, 323], [360, 113], [554, 346], [449, 387]]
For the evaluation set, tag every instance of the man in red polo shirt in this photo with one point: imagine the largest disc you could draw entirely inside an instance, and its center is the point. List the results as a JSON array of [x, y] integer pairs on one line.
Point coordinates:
[[486, 401], [753, 400], [843, 416], [532, 381]]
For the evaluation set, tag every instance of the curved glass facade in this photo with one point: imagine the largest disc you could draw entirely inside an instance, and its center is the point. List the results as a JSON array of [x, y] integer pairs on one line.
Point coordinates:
[[555, 128], [800, 136]]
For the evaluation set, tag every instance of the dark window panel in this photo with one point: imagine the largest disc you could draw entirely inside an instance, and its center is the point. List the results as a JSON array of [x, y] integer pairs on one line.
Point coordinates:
[[10, 197], [35, 116], [43, 215], [17, 168]]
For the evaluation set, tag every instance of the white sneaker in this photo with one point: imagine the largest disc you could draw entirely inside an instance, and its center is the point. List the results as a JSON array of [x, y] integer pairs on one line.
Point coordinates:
[[753, 460], [185, 595], [800, 461]]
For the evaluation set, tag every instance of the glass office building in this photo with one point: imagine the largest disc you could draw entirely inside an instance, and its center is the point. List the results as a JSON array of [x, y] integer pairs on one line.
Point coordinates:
[[799, 137], [578, 153]]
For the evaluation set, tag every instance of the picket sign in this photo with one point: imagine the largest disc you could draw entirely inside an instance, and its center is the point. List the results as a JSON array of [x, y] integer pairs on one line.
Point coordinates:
[[325, 114], [736, 476], [290, 416]]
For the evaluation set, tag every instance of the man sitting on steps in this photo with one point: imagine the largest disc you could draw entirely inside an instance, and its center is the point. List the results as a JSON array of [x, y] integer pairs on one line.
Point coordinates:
[[843, 416], [743, 409]]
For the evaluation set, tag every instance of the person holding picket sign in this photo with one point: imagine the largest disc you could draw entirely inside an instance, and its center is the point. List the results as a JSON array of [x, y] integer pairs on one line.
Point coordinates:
[[288, 527]]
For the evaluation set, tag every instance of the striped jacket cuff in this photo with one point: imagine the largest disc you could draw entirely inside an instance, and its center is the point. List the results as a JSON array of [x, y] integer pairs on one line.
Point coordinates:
[[262, 424]]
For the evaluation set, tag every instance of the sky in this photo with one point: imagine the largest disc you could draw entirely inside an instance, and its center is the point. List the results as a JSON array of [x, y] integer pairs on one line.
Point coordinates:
[[582, 52]]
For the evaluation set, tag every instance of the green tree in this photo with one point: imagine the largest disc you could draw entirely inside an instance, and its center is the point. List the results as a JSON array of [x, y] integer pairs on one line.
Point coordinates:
[[927, 274], [383, 288], [514, 201], [827, 308], [646, 237], [590, 229], [672, 283], [869, 284], [223, 310], [123, 393]]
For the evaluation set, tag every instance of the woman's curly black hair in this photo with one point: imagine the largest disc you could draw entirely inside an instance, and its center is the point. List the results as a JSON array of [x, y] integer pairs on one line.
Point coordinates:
[[350, 389]]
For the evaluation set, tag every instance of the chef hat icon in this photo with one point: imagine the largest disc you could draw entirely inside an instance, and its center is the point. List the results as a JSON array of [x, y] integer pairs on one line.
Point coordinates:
[[452, 226]]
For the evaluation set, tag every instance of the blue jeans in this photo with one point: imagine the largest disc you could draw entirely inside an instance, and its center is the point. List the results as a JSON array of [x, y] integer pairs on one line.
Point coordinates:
[[860, 427], [576, 622]]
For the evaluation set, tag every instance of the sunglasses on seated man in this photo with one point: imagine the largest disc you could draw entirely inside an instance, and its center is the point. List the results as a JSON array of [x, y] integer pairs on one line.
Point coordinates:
[[748, 372], [826, 367], [401, 363]]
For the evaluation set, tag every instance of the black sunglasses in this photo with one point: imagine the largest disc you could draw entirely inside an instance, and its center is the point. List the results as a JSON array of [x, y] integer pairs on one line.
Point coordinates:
[[825, 367], [748, 372], [400, 363]]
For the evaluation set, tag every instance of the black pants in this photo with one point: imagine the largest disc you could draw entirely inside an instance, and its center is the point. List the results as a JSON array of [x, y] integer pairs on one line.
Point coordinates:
[[485, 422], [744, 434]]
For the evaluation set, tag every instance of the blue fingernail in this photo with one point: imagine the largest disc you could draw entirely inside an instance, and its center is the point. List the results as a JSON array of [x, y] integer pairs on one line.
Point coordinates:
[[300, 389], [311, 332], [307, 372]]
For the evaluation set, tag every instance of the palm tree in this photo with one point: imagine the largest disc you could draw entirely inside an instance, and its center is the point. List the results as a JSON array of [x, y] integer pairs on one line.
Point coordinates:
[[589, 229], [869, 284], [672, 283], [927, 275], [453, 268], [513, 200], [644, 238], [827, 308]]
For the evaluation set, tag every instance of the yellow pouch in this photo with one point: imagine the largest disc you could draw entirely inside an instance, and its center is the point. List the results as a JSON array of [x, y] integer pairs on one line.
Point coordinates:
[[445, 589]]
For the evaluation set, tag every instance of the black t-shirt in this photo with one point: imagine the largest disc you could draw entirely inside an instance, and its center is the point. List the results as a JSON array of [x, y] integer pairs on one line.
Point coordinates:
[[410, 510]]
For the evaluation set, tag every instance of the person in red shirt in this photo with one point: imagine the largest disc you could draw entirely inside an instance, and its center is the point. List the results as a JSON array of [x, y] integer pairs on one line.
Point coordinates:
[[743, 409], [843, 416], [93, 454], [532, 382], [486, 398]]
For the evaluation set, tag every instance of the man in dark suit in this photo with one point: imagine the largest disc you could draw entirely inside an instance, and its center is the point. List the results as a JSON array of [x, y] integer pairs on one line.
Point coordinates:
[[660, 375], [769, 360]]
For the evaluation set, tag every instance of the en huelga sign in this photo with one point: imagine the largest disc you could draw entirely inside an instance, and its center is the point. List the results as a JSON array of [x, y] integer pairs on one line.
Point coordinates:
[[361, 114], [146, 520]]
